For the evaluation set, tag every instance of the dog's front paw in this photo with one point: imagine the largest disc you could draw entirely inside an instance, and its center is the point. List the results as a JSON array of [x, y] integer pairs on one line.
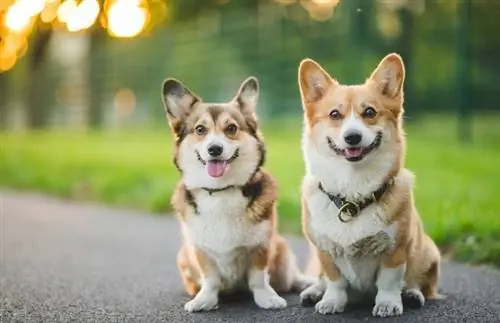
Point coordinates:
[[268, 299], [330, 306], [303, 282], [312, 294], [413, 297], [334, 300], [202, 302], [388, 307]]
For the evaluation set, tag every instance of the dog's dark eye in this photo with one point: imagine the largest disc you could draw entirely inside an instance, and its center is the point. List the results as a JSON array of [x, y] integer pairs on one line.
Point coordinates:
[[231, 129], [200, 130], [335, 114], [369, 113]]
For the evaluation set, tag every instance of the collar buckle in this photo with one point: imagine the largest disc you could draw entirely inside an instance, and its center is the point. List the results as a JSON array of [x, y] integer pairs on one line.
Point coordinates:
[[351, 209]]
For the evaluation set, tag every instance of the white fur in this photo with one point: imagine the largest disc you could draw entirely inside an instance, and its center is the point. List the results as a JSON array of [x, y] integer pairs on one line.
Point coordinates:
[[354, 123], [314, 291], [225, 233], [239, 171], [327, 230], [263, 294], [229, 147], [352, 180], [207, 298], [390, 282], [219, 226], [335, 298]]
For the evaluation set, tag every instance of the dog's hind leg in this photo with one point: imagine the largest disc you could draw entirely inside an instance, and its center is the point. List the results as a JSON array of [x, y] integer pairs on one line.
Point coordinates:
[[430, 288], [189, 272], [284, 272]]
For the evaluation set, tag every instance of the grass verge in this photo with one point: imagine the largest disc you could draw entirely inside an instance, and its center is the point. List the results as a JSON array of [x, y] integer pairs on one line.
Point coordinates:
[[456, 184]]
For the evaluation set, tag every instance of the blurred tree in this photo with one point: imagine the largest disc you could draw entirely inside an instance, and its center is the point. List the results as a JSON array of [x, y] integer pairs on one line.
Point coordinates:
[[406, 50], [37, 110], [4, 90], [357, 44], [4, 99], [230, 38], [464, 71], [4, 93], [95, 77], [485, 50]]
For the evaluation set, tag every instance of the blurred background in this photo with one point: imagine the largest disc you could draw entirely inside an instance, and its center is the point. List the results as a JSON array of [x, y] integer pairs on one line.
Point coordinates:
[[82, 118]]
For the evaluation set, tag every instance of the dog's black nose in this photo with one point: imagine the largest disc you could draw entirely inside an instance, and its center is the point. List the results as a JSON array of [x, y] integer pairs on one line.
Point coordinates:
[[215, 150], [352, 138]]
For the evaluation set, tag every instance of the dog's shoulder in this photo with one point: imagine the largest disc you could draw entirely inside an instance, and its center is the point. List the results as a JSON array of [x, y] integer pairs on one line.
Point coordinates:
[[182, 201], [398, 203], [309, 185], [261, 193]]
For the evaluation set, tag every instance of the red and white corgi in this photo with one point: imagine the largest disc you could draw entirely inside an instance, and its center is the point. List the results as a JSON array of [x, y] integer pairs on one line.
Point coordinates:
[[356, 187]]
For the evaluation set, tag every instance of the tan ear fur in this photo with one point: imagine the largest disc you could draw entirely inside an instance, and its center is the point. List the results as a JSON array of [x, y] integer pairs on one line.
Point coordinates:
[[389, 76], [314, 81], [177, 99], [248, 93]]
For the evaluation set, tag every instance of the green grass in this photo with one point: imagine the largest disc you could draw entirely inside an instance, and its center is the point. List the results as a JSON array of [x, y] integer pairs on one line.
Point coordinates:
[[457, 185]]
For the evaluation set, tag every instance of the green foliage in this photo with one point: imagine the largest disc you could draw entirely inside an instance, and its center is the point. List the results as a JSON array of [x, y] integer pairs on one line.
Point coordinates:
[[456, 185]]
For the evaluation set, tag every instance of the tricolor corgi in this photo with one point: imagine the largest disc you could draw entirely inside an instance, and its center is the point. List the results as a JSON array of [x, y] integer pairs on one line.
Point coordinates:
[[226, 202], [356, 189]]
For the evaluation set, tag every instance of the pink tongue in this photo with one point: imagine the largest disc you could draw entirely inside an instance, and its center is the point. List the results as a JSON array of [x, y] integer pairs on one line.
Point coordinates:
[[353, 152], [216, 168]]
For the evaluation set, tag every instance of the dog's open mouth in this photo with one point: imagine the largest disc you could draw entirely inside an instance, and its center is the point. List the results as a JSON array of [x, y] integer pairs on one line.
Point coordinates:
[[217, 167], [354, 154]]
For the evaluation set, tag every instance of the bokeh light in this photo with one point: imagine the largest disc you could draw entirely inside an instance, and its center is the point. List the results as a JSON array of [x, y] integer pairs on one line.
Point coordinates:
[[124, 102], [320, 10], [49, 13], [18, 17], [65, 10], [126, 18], [83, 16], [326, 2], [7, 62], [123, 18], [285, 2]]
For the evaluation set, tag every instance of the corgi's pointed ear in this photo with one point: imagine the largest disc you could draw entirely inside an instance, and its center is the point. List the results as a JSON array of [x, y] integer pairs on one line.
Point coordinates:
[[314, 81], [177, 99], [389, 76], [248, 94]]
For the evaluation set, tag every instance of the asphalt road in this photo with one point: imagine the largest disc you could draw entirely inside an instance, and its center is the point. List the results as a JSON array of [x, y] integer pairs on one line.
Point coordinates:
[[68, 262]]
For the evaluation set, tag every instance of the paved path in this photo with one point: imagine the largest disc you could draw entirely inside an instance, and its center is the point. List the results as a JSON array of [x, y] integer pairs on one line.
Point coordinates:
[[66, 262]]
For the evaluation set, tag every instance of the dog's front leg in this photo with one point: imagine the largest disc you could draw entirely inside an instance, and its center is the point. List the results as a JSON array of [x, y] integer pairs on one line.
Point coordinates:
[[258, 281], [390, 283], [208, 297], [335, 297]]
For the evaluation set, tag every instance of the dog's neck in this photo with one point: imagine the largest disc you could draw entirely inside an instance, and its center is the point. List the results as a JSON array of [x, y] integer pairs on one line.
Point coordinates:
[[352, 181], [213, 190]]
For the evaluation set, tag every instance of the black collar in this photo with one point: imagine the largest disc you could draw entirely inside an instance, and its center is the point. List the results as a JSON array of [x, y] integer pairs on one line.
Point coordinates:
[[215, 190], [353, 208]]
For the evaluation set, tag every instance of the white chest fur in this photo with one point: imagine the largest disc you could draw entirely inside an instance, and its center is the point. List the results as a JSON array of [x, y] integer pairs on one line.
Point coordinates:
[[329, 230], [221, 225], [225, 233], [325, 222]]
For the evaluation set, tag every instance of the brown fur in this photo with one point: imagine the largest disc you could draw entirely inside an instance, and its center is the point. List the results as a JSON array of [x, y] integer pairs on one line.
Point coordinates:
[[191, 120], [193, 264], [322, 94]]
